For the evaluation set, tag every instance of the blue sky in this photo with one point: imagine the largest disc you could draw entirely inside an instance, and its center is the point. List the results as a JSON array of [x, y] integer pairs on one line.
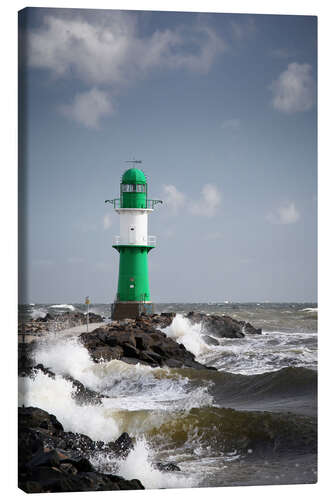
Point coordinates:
[[221, 109]]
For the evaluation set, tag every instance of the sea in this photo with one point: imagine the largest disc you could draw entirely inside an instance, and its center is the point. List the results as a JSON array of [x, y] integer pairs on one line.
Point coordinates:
[[199, 420]]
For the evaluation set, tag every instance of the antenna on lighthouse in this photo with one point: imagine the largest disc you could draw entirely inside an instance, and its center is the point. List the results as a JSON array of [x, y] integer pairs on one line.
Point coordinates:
[[133, 161]]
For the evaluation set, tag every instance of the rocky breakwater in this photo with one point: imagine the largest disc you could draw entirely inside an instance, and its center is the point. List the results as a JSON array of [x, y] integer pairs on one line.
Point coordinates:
[[139, 341], [222, 326], [142, 341], [52, 460], [55, 322]]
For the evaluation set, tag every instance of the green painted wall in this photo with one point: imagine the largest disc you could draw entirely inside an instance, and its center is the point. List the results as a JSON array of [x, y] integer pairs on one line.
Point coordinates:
[[133, 200], [133, 270]]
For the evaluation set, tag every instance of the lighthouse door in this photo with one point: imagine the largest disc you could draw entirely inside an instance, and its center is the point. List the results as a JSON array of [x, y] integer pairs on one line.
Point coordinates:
[[132, 235]]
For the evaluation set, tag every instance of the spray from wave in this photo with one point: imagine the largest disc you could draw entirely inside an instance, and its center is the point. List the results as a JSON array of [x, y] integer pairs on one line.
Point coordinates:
[[70, 307], [253, 354], [137, 399]]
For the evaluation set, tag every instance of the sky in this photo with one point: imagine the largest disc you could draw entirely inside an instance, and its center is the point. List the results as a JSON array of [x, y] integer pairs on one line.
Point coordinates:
[[221, 109]]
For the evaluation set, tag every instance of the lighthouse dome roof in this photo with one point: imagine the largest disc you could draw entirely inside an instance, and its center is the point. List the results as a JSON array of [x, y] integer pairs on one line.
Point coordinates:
[[133, 176]]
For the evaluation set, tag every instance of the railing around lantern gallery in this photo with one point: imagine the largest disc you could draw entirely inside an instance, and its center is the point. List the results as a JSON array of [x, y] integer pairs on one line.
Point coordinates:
[[150, 241], [117, 203]]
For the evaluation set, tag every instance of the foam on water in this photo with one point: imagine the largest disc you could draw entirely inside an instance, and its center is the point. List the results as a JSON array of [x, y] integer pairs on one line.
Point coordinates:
[[38, 313], [132, 392], [250, 355], [189, 334], [138, 464], [63, 306]]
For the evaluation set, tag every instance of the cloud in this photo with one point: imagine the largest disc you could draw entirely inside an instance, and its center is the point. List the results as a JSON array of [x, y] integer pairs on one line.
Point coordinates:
[[209, 202], [286, 214], [232, 124], [107, 221], [106, 48], [294, 90], [174, 199], [88, 107]]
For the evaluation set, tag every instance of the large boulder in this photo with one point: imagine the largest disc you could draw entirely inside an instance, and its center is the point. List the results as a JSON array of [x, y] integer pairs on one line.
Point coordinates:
[[52, 460], [138, 341], [223, 326]]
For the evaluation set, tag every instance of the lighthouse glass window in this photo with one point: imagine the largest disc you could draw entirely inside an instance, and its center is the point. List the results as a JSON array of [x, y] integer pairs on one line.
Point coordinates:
[[203, 372], [133, 188]]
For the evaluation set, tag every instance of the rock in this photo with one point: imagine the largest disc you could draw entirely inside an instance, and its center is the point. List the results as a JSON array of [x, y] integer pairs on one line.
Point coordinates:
[[51, 460], [210, 340], [138, 341], [223, 326], [167, 467], [37, 418], [123, 445]]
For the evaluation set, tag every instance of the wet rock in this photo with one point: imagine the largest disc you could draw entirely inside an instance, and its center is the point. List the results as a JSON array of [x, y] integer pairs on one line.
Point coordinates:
[[123, 445], [167, 467], [210, 340], [223, 326], [51, 460], [138, 341]]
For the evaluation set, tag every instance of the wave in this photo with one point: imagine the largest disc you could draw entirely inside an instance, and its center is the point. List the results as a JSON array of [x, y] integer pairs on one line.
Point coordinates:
[[38, 313], [63, 306], [226, 430], [292, 389], [250, 355], [189, 334]]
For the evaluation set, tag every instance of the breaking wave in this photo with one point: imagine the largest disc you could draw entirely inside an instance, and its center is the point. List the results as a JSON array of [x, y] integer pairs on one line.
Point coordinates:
[[250, 355], [63, 306]]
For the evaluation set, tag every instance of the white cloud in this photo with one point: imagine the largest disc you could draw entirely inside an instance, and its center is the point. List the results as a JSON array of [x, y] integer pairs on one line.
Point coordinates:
[[107, 221], [232, 124], [106, 51], [174, 199], [88, 107], [294, 90], [107, 48], [286, 214], [209, 202]]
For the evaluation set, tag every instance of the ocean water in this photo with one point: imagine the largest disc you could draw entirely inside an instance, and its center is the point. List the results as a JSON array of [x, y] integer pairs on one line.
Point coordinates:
[[200, 420]]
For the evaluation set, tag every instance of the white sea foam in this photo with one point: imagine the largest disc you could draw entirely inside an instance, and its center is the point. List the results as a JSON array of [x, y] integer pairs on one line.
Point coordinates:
[[138, 464], [133, 392], [63, 306], [187, 333], [251, 355], [38, 313], [55, 396]]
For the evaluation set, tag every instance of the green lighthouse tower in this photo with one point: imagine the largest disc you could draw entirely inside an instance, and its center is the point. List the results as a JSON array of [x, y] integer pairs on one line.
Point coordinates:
[[133, 245]]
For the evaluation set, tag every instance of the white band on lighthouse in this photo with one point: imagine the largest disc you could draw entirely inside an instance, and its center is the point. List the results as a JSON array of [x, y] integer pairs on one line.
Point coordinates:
[[134, 226]]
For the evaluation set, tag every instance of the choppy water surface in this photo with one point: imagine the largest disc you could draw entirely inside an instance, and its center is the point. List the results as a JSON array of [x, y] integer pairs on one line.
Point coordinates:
[[199, 420]]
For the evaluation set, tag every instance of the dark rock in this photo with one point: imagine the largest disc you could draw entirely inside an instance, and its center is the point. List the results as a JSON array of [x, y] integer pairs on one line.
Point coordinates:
[[222, 326], [44, 466], [167, 467], [210, 340], [35, 417], [123, 445], [138, 341]]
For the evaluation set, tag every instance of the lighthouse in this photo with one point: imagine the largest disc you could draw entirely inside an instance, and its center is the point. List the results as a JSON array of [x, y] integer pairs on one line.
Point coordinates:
[[133, 244]]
